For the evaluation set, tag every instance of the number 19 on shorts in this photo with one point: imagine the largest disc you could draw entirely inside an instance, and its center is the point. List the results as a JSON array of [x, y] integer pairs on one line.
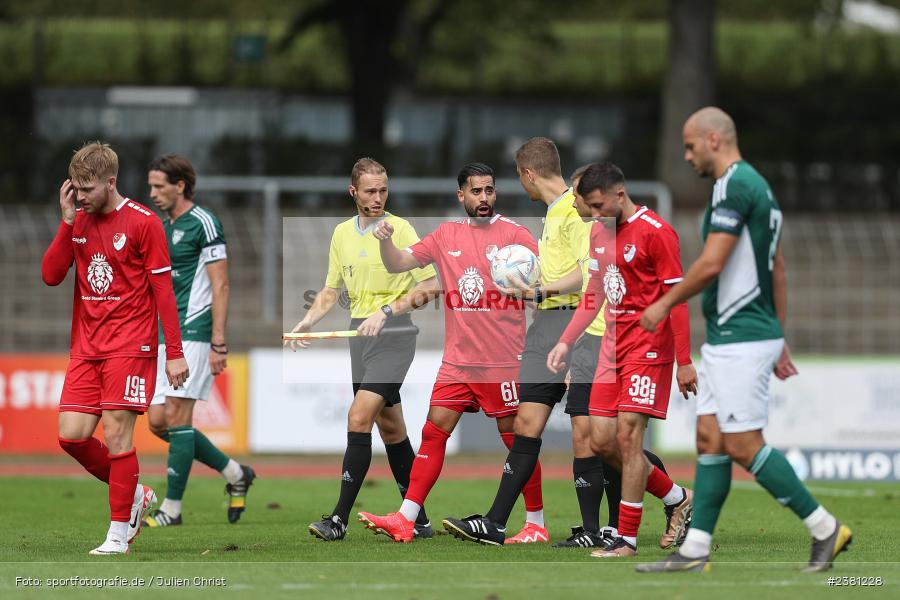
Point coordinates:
[[642, 390], [135, 390]]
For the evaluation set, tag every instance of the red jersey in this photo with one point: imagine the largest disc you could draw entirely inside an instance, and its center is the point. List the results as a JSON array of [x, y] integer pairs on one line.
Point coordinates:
[[483, 327], [115, 254], [633, 265]]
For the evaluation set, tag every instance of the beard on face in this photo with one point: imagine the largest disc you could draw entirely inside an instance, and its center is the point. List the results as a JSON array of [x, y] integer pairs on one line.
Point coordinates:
[[473, 211]]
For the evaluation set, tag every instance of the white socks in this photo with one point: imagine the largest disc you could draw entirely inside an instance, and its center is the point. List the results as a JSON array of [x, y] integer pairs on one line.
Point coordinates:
[[171, 507], [675, 495], [696, 544], [536, 517], [138, 493], [820, 523], [118, 530], [232, 471], [410, 510]]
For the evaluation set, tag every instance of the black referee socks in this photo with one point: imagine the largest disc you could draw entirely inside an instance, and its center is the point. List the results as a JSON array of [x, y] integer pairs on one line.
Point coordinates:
[[520, 463], [357, 459], [588, 475]]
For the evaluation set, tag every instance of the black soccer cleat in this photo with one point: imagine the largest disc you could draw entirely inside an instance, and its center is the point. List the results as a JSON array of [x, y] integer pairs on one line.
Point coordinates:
[[331, 528], [676, 563], [237, 493], [423, 531], [476, 528], [581, 538], [825, 551]]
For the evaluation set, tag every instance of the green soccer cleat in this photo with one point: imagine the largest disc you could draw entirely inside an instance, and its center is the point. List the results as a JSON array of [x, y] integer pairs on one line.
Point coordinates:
[[676, 563], [237, 493], [825, 551]]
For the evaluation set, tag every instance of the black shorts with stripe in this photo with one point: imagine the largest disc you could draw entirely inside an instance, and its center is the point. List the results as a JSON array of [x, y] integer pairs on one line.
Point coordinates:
[[536, 382], [379, 364], [583, 364]]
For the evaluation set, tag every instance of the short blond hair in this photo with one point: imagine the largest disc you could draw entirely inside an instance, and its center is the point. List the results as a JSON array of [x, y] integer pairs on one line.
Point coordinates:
[[541, 156], [94, 160], [366, 165]]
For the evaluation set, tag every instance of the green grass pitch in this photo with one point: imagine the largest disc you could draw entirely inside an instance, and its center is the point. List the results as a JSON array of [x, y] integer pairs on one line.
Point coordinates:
[[47, 526]]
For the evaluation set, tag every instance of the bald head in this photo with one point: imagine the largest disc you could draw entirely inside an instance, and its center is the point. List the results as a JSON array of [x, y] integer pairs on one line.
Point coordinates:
[[712, 119]]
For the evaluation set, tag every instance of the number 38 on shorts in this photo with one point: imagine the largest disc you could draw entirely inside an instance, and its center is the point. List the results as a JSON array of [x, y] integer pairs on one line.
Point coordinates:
[[631, 388]]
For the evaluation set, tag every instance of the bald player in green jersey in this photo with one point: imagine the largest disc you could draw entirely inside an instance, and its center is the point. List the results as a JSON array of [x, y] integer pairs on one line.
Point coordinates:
[[741, 272]]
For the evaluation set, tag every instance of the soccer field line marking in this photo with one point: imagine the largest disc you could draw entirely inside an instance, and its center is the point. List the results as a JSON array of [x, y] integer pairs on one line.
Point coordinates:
[[149, 564], [705, 582], [815, 489]]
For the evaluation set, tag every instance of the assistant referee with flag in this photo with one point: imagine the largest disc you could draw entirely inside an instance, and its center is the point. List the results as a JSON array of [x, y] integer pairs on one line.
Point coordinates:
[[379, 363]]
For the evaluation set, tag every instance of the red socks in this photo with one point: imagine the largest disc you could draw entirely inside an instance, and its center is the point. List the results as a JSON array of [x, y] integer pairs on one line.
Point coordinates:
[[123, 477], [658, 483], [534, 499], [629, 519], [429, 461], [92, 455]]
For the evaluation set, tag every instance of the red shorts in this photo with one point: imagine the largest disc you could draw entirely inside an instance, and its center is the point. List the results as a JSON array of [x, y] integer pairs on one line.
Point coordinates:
[[116, 383], [631, 388], [495, 390]]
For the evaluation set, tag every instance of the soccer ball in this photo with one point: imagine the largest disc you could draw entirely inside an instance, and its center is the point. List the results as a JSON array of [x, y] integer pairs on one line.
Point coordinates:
[[515, 260]]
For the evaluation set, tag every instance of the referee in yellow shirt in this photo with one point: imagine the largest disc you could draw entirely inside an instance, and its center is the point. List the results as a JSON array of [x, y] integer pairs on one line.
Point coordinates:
[[379, 363], [561, 247]]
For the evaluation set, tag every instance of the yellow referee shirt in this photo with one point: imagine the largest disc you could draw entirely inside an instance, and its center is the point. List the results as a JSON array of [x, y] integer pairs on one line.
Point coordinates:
[[562, 246], [354, 262], [598, 325]]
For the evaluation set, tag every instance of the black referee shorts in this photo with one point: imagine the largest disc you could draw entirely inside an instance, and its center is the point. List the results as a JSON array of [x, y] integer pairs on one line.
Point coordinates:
[[536, 382], [582, 366], [379, 364]]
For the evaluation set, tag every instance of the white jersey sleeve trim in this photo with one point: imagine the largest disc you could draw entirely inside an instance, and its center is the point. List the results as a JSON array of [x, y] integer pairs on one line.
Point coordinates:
[[161, 270], [673, 280]]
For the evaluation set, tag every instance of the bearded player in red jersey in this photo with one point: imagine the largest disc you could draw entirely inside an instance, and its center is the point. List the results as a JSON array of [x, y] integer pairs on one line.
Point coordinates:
[[484, 336], [123, 280], [635, 257]]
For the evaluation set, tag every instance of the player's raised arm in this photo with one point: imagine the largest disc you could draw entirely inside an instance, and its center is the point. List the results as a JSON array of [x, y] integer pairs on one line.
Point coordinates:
[[395, 260], [60, 256]]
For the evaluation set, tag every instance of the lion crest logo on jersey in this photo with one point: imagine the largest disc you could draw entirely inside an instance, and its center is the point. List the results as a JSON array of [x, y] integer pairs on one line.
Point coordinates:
[[119, 241], [628, 252], [614, 285], [176, 236], [99, 274], [471, 286]]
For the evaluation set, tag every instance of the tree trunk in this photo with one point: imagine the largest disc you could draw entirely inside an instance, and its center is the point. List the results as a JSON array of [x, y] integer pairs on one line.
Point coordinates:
[[689, 85], [370, 29]]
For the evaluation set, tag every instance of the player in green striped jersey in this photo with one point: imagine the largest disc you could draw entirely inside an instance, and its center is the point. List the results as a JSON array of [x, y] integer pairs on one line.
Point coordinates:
[[200, 277], [741, 273]]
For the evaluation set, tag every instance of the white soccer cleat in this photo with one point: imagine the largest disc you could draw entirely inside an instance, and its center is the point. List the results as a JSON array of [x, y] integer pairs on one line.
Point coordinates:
[[143, 501], [112, 545]]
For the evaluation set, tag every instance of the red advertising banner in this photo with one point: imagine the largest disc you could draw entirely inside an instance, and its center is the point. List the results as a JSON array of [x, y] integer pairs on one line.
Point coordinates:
[[30, 387]]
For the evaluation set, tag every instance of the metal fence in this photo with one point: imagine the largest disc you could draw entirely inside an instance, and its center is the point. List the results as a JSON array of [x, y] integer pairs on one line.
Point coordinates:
[[843, 270]]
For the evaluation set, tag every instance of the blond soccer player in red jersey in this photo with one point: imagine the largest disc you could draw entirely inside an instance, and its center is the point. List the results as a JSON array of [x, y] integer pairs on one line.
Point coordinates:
[[123, 281]]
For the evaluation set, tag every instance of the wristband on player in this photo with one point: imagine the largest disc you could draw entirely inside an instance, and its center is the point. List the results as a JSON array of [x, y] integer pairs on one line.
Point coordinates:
[[538, 294], [219, 348], [387, 310]]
